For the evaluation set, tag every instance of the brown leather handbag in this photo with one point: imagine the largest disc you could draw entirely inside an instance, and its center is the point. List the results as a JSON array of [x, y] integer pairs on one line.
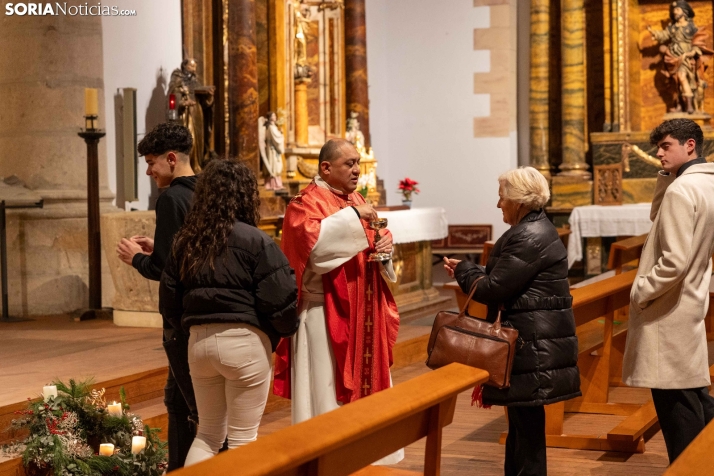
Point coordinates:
[[475, 342]]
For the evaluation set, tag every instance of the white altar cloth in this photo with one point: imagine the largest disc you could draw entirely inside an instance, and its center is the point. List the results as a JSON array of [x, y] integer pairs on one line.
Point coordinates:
[[598, 220], [417, 224]]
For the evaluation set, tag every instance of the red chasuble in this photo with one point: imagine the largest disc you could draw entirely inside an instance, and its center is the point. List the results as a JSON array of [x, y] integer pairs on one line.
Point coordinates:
[[361, 314]]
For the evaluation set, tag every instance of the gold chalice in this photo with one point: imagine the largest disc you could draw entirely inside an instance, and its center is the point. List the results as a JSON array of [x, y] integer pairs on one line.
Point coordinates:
[[376, 225]]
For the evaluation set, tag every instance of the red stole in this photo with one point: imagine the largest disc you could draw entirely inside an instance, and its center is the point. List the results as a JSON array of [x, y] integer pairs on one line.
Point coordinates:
[[361, 314]]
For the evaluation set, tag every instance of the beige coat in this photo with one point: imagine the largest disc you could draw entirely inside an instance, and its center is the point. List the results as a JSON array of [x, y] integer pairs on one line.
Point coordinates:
[[666, 340]]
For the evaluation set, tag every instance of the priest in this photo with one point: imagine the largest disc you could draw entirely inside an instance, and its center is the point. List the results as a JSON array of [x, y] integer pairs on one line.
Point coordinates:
[[342, 350]]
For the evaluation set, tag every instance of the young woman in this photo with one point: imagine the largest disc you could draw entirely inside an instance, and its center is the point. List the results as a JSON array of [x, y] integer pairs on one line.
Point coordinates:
[[229, 284]]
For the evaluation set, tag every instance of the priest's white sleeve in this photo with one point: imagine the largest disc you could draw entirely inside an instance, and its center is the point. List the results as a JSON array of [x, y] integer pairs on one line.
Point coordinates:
[[341, 238]]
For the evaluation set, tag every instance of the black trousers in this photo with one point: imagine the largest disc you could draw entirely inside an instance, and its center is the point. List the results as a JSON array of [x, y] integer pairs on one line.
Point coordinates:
[[181, 429], [525, 444], [682, 414]]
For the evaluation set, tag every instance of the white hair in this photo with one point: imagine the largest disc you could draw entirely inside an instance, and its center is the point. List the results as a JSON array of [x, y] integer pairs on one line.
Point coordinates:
[[525, 185]]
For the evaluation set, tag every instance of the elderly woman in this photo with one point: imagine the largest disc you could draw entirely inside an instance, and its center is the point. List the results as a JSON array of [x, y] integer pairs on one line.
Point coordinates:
[[526, 276]]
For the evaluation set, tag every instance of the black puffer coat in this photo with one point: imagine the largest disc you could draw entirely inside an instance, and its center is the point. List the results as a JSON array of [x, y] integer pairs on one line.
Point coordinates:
[[252, 283], [527, 273]]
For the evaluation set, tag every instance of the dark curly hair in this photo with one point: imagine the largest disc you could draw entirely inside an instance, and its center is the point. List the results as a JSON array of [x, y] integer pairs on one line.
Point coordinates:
[[226, 192], [166, 137], [680, 129]]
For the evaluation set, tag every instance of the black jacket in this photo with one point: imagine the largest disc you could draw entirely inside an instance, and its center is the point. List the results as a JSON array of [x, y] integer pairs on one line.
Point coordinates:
[[252, 283], [527, 273], [171, 209]]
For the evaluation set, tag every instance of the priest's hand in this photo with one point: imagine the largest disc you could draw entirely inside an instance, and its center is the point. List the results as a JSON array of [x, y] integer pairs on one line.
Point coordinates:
[[366, 212], [146, 243], [127, 249], [384, 245], [450, 266]]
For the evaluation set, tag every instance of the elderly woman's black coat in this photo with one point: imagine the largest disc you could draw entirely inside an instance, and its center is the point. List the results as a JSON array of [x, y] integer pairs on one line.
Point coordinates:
[[527, 273]]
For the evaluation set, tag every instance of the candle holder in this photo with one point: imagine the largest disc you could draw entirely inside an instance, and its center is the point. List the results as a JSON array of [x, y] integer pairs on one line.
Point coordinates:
[[91, 137], [90, 122]]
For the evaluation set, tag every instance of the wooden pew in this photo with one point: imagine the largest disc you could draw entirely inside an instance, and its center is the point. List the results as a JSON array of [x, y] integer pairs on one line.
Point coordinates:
[[625, 251], [352, 437]]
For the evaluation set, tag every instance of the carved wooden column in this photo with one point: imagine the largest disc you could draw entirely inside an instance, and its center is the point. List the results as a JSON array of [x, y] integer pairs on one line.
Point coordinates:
[[243, 82], [573, 77], [538, 91], [356, 64]]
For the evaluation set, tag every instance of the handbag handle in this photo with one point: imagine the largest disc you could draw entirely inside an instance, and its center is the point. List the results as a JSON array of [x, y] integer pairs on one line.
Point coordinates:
[[496, 325], [471, 295]]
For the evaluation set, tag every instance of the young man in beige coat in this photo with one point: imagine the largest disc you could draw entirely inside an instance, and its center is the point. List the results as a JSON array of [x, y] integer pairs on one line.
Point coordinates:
[[666, 347]]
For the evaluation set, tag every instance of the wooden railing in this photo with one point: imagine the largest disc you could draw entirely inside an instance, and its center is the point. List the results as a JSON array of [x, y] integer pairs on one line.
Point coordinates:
[[352, 437]]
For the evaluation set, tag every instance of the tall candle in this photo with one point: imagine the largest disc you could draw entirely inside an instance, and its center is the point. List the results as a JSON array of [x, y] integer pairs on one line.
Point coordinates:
[[106, 449], [49, 391], [114, 409], [91, 102], [138, 443]]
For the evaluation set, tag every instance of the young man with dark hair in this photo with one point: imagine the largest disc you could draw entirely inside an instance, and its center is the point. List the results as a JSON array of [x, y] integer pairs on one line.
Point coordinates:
[[666, 348], [166, 150]]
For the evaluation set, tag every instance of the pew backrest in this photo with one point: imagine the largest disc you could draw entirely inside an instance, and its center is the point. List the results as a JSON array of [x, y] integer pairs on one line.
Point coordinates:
[[354, 436]]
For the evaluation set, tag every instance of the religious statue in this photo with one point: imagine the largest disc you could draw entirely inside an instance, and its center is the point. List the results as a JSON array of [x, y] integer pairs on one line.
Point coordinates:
[[195, 110], [685, 55], [368, 164], [272, 146], [302, 25]]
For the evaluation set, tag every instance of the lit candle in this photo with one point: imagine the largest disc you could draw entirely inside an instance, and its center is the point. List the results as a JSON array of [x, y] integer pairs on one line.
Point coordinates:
[[91, 102], [138, 443], [49, 391], [106, 449], [114, 409]]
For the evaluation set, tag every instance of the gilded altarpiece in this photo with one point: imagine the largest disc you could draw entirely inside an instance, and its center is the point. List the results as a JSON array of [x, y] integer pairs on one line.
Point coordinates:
[[642, 95], [626, 92]]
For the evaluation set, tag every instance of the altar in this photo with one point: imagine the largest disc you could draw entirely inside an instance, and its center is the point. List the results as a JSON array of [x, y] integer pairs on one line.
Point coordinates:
[[413, 231], [593, 222]]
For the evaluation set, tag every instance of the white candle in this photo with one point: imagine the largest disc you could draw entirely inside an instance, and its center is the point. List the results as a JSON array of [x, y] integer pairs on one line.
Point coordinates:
[[138, 443], [114, 409], [49, 391], [106, 449]]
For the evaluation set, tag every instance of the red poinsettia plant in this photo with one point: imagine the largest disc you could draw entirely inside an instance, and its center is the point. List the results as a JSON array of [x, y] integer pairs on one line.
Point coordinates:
[[407, 187]]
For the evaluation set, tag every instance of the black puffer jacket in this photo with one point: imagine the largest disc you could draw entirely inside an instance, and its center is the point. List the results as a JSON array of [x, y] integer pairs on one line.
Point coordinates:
[[527, 273], [252, 283]]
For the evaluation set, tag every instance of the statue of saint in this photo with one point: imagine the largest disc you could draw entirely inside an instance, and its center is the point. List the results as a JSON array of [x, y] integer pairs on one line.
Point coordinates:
[[195, 110], [272, 146], [682, 45], [302, 25]]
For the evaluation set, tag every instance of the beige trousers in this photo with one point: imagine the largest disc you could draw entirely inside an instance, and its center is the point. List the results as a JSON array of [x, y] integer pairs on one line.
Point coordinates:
[[231, 365]]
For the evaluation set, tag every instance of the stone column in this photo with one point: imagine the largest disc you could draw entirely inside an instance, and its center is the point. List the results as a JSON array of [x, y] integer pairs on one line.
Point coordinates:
[[538, 90], [243, 82], [573, 59], [46, 62], [356, 64], [301, 125]]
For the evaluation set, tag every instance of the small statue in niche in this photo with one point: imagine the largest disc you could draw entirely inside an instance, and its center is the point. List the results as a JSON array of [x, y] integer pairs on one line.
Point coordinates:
[[272, 147], [302, 25], [195, 110], [685, 57]]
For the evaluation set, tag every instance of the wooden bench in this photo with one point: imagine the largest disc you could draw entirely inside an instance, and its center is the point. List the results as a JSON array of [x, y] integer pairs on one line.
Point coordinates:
[[352, 437], [625, 251]]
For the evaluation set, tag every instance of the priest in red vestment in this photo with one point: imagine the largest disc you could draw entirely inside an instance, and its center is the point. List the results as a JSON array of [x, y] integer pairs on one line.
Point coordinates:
[[348, 319]]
